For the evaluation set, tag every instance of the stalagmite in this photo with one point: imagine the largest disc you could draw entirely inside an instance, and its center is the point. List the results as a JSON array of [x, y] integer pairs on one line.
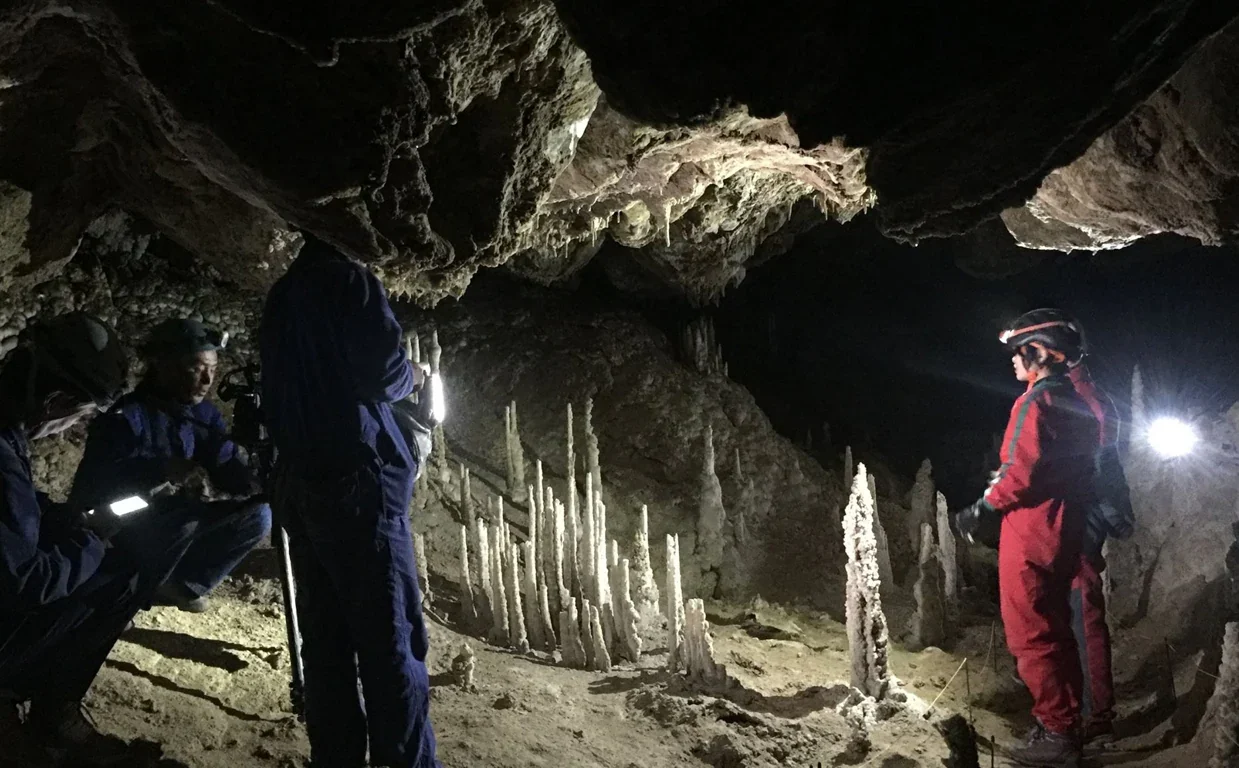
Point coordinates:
[[922, 502], [928, 623], [557, 583], [1139, 421], [535, 538], [675, 605], [617, 598], [517, 636], [602, 656], [849, 470], [533, 608], [602, 583], [699, 647], [499, 598], [423, 575], [535, 497], [571, 577], [949, 557], [466, 495], [711, 517], [463, 665], [482, 558], [884, 549], [468, 614], [629, 619], [1225, 703], [589, 557], [544, 608], [571, 644], [645, 590], [515, 454], [866, 624], [438, 453], [587, 632], [592, 464]]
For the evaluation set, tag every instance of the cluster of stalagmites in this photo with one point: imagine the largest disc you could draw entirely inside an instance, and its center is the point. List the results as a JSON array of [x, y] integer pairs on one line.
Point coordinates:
[[700, 348]]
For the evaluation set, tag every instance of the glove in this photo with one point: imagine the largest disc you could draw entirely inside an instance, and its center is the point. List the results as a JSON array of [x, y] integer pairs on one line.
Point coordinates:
[[978, 524]]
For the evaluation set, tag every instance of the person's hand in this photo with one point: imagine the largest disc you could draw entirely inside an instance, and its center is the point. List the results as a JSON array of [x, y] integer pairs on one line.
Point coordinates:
[[102, 523], [977, 524]]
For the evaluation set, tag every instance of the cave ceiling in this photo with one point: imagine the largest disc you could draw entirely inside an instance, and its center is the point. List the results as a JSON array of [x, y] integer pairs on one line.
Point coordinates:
[[431, 139]]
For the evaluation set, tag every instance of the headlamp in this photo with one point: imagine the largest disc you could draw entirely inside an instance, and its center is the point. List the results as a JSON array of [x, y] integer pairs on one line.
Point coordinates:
[[1171, 438]]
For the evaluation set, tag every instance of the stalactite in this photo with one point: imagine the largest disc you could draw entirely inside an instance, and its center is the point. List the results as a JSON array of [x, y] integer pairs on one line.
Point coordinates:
[[515, 454], [544, 610], [423, 575], [482, 557], [866, 624], [675, 605], [468, 614], [602, 656], [499, 598], [922, 502], [1225, 703], [949, 557], [517, 636], [533, 610], [884, 548], [928, 623], [699, 647], [711, 517]]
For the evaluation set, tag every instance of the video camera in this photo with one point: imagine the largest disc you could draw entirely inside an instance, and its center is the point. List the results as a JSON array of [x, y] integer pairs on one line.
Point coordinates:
[[243, 388]]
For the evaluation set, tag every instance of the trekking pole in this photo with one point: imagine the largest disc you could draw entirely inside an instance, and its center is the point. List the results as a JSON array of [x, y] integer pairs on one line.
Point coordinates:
[[288, 585]]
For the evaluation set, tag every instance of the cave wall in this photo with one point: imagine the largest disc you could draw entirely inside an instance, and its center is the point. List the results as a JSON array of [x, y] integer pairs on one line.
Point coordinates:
[[1172, 165]]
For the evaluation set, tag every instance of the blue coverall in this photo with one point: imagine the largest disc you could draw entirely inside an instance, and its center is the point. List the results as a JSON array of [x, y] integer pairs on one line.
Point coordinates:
[[126, 450], [332, 362], [65, 597]]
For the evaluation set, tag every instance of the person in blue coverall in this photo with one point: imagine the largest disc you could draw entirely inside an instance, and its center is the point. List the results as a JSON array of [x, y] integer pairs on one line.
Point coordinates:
[[167, 431], [332, 365], [66, 593]]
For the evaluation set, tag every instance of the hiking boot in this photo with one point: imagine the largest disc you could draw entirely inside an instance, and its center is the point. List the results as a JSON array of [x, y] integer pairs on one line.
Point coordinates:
[[69, 734], [181, 597], [19, 748], [1045, 749]]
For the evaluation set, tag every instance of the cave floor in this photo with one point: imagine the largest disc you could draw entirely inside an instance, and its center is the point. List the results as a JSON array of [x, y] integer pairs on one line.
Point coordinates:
[[211, 691]]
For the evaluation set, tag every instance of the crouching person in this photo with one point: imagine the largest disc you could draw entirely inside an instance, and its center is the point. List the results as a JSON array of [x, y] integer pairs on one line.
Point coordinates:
[[66, 594], [166, 432]]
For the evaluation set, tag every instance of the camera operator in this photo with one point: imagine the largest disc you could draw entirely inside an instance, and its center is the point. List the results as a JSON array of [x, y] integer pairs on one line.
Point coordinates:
[[333, 364], [166, 431], [65, 594]]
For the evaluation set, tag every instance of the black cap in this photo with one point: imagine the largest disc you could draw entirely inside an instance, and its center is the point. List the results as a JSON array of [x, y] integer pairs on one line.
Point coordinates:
[[176, 338], [82, 351]]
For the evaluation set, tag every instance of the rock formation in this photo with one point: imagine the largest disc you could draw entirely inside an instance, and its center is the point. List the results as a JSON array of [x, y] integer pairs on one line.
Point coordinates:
[[711, 519], [645, 590], [866, 624], [948, 556], [699, 647], [700, 348], [928, 623], [468, 613], [922, 502], [883, 544], [514, 454], [675, 606], [1225, 704]]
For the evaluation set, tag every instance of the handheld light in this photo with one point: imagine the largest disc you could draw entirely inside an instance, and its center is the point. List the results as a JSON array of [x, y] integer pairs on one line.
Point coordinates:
[[1171, 437], [125, 506]]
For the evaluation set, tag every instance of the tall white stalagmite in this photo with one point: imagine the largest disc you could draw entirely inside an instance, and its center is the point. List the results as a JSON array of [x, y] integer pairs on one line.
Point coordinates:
[[602, 583], [587, 633], [591, 447], [466, 495], [538, 485], [515, 454], [571, 577], [558, 582], [866, 624], [572, 644], [533, 608], [546, 533], [499, 597], [589, 551], [884, 547], [468, 614], [645, 590], [675, 605], [849, 470], [481, 541], [711, 517], [928, 623], [699, 647], [535, 536], [922, 503], [602, 655], [949, 557], [627, 623], [544, 607], [517, 636], [423, 574]]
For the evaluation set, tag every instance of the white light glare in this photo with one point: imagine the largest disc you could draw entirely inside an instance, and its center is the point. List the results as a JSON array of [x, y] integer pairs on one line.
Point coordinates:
[[1171, 437], [127, 506], [438, 402]]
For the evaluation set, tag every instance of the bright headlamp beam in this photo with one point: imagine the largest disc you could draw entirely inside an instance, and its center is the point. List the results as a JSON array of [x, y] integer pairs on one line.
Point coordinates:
[[1171, 438], [438, 403]]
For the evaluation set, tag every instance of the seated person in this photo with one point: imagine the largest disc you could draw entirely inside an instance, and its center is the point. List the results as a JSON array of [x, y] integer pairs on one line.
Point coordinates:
[[65, 594], [165, 431]]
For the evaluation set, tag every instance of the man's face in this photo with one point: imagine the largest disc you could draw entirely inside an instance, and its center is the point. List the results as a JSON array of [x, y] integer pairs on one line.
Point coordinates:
[[187, 380]]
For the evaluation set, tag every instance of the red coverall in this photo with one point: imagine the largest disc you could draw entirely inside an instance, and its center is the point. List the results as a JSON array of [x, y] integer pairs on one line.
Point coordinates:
[[1043, 490], [1087, 594]]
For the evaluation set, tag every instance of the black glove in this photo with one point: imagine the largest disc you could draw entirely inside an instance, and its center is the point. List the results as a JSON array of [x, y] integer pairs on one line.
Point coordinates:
[[978, 524]]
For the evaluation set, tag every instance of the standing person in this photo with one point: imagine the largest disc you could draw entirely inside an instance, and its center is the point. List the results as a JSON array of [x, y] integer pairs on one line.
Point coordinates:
[[333, 364], [65, 594], [1110, 517], [167, 430], [1041, 494]]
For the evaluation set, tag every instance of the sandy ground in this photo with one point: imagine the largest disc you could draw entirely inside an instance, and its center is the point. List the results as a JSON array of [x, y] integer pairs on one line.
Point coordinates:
[[212, 690]]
